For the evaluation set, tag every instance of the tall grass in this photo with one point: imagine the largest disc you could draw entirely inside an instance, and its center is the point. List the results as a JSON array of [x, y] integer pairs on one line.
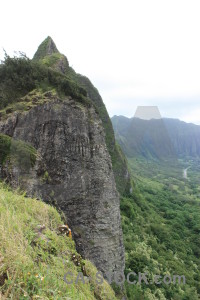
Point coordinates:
[[33, 262]]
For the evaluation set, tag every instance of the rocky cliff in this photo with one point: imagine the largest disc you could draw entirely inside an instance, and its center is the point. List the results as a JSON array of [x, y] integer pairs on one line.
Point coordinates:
[[70, 149], [73, 170]]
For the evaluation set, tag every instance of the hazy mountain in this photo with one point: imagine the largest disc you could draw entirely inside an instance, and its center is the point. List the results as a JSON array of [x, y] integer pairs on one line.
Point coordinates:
[[157, 138]]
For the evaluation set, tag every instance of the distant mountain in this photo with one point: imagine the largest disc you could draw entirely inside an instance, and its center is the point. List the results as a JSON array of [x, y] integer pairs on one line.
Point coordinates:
[[157, 138]]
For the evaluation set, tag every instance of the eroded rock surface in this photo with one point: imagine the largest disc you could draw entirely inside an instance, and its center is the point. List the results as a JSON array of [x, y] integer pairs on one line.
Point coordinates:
[[74, 171]]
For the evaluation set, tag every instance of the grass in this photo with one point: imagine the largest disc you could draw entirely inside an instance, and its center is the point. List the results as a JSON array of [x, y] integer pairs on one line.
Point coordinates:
[[32, 99], [55, 60], [33, 262], [38, 96]]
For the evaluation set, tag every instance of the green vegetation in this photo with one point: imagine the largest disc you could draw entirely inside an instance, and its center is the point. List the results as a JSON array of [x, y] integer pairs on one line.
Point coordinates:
[[51, 60], [54, 60], [34, 258], [46, 178], [19, 76], [32, 99], [16, 152], [161, 225]]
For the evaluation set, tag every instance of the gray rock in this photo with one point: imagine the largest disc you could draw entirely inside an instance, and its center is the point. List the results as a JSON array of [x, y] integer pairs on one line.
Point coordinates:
[[74, 172]]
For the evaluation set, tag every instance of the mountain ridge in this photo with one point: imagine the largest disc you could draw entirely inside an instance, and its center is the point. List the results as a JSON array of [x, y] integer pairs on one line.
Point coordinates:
[[166, 133]]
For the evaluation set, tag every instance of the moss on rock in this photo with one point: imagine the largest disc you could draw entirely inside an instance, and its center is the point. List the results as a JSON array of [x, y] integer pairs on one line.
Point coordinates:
[[20, 153]]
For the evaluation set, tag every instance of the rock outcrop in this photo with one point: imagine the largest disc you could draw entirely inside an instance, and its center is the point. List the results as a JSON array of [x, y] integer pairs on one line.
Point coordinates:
[[48, 54], [73, 171], [47, 47]]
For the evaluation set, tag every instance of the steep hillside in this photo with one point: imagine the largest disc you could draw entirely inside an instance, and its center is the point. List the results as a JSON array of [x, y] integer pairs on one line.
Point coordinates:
[[34, 256], [48, 55], [157, 138], [72, 167]]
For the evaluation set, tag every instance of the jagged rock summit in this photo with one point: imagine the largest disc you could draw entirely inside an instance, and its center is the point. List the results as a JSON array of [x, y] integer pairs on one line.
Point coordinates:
[[48, 54], [47, 47]]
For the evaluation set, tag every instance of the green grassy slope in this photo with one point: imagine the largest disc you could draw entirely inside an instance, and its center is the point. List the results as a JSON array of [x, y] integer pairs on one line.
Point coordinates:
[[33, 261]]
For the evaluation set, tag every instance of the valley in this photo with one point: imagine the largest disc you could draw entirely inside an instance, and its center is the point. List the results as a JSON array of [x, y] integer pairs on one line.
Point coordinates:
[[161, 219], [161, 225]]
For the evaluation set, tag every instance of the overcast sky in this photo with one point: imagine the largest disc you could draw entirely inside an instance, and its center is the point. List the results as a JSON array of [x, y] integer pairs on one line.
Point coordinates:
[[144, 52]]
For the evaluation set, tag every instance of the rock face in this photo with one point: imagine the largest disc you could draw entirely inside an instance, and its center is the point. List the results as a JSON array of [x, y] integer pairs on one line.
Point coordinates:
[[74, 171]]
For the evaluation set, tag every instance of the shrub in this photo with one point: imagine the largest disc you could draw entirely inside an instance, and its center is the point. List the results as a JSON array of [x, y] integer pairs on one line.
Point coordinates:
[[20, 75]]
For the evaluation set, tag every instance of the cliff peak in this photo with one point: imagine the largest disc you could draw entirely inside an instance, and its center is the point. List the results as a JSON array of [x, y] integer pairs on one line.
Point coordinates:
[[47, 47]]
